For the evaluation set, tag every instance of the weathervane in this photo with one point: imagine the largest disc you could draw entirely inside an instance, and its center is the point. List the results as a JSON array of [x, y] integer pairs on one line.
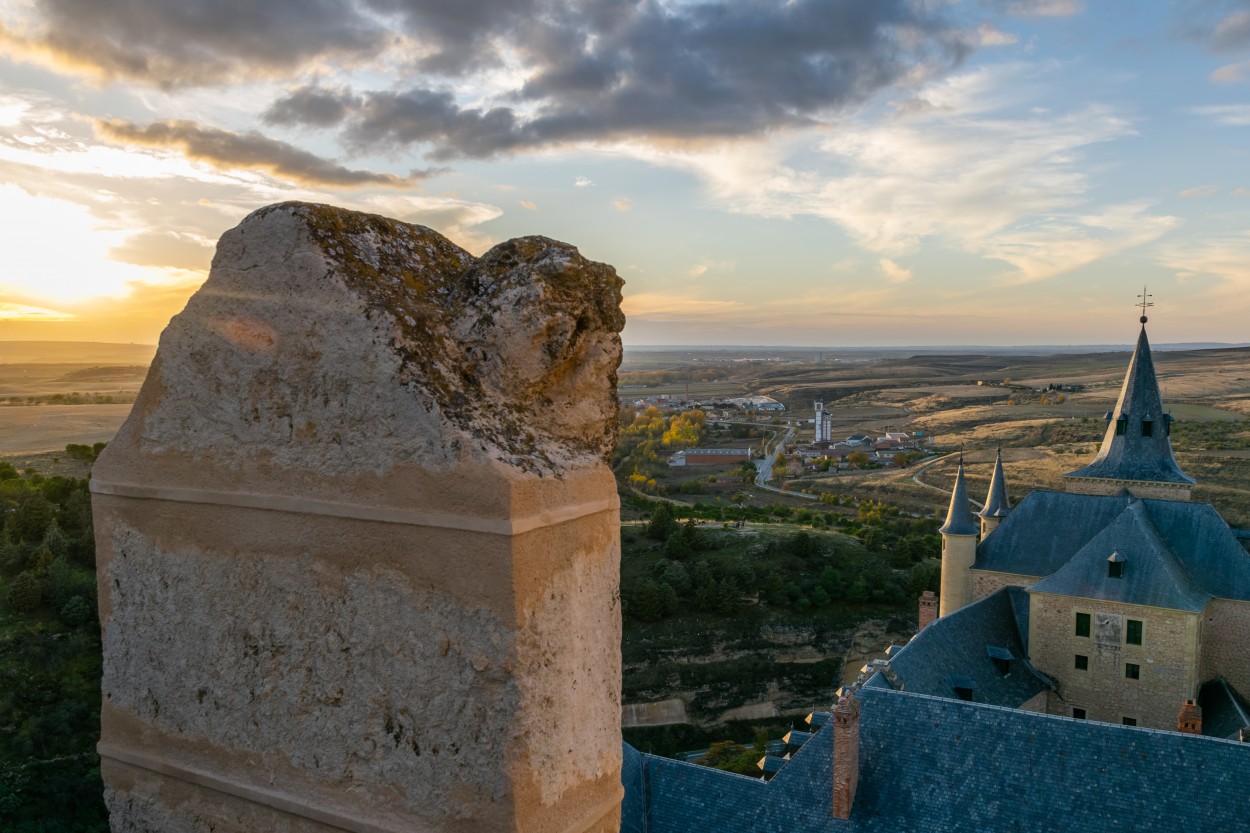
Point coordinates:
[[1144, 303]]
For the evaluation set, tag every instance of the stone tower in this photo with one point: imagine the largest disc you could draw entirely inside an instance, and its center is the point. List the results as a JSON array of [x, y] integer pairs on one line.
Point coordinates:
[[959, 548], [358, 541], [996, 503]]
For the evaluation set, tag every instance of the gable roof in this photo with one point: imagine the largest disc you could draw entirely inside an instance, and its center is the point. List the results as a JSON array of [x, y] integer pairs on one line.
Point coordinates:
[[964, 643], [1047, 529], [1130, 455], [1152, 574], [935, 765]]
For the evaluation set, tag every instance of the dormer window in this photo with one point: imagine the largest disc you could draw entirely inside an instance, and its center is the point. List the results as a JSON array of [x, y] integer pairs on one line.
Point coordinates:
[[1121, 426], [1147, 427], [1115, 565]]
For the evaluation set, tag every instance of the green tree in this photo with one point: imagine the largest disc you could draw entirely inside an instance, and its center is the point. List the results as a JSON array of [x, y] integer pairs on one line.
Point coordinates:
[[31, 517], [25, 593], [857, 459], [663, 522]]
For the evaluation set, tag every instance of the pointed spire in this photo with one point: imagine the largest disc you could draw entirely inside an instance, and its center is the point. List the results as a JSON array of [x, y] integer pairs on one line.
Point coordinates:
[[1136, 446], [959, 517], [996, 503]]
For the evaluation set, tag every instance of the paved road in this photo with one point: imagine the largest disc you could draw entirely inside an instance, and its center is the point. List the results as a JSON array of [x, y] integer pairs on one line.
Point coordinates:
[[764, 468]]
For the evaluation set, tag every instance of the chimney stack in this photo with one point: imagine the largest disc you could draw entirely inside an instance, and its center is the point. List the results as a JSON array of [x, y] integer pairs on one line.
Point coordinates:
[[1189, 720], [845, 754], [928, 609]]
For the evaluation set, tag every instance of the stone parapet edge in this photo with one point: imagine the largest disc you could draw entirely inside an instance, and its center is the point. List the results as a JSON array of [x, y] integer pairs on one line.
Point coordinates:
[[336, 509], [285, 804]]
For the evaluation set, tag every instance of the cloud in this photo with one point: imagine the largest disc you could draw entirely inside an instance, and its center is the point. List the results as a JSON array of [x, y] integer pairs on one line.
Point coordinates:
[[622, 204], [893, 272], [24, 312], [225, 150], [1200, 191], [1040, 8], [528, 206], [1232, 73], [990, 35], [1222, 260], [972, 167], [1062, 243], [1241, 192], [1232, 32], [165, 250], [193, 41], [1229, 115], [594, 71], [582, 182], [312, 106]]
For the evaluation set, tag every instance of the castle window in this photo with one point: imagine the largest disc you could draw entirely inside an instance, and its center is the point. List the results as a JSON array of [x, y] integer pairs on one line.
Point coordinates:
[[1115, 564], [1082, 662], [1129, 721], [1121, 426], [1132, 671], [1079, 714], [1082, 624], [1147, 428], [1001, 658], [1133, 633]]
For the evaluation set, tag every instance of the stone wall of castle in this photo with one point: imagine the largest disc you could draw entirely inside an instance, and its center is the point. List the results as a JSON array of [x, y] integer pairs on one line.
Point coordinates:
[[985, 582], [1166, 661], [1146, 490], [1226, 643]]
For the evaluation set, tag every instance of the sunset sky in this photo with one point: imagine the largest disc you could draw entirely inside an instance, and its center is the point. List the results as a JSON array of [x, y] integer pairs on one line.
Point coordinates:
[[813, 172]]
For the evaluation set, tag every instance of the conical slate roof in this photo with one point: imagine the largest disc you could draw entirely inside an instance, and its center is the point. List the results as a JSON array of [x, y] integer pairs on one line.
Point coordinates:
[[959, 518], [1128, 452], [996, 504]]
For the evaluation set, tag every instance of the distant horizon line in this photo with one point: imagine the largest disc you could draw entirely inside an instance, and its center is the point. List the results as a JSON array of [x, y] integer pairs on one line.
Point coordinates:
[[1103, 347]]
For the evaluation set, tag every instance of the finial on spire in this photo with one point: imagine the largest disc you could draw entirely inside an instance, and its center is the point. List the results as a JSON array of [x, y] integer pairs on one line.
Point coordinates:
[[1144, 303]]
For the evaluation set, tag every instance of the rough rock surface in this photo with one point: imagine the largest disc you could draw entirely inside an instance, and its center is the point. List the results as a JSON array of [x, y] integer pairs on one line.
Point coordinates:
[[358, 544], [505, 355]]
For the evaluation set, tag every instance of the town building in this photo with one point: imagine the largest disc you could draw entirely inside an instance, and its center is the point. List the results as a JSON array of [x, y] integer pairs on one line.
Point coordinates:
[[1086, 673], [710, 456], [823, 424]]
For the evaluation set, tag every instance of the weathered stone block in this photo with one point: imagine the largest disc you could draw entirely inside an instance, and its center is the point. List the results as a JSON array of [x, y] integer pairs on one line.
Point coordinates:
[[358, 541]]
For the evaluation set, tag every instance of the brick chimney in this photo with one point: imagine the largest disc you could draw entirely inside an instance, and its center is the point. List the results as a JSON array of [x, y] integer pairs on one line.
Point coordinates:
[[928, 609], [1189, 720], [845, 754]]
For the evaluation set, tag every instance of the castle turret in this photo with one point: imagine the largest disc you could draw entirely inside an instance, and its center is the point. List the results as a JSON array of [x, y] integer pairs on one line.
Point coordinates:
[[1136, 452], [996, 503], [959, 548]]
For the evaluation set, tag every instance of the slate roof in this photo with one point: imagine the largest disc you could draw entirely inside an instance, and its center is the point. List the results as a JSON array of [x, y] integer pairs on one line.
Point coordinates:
[[961, 642], [1132, 455], [959, 516], [1047, 529], [1152, 574], [996, 503], [935, 765], [1224, 713]]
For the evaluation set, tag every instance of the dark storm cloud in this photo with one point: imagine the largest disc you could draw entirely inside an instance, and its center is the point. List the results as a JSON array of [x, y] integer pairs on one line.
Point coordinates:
[[594, 69], [233, 151], [311, 106], [603, 70], [190, 42]]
